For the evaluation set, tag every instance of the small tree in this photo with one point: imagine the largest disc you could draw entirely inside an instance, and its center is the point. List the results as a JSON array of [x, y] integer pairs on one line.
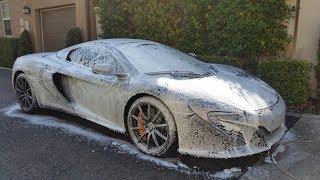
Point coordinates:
[[25, 44], [74, 37]]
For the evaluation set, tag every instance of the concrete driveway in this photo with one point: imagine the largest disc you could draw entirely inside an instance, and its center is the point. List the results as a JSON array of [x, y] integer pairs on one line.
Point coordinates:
[[297, 157]]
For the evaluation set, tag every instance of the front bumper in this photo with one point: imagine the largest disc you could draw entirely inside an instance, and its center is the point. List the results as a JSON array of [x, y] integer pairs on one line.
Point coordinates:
[[238, 151], [222, 139]]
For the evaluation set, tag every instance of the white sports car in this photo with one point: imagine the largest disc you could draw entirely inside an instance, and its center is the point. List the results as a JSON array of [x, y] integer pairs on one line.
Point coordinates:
[[164, 99]]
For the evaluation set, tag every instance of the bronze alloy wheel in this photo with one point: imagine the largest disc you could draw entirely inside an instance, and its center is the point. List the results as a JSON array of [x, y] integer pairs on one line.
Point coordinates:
[[151, 126]]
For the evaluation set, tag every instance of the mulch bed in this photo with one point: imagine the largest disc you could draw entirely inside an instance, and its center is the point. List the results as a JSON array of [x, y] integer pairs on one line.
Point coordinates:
[[310, 107]]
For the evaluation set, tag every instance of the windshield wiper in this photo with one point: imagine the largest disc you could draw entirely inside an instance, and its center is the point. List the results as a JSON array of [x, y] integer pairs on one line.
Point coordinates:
[[174, 73]]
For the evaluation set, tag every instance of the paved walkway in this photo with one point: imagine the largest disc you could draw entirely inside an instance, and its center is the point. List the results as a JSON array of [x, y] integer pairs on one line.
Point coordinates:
[[297, 156]]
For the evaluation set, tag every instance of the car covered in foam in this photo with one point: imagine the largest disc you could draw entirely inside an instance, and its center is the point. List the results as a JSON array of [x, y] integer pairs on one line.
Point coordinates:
[[164, 99]]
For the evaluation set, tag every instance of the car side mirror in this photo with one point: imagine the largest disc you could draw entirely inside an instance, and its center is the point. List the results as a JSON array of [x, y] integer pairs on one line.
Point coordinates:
[[192, 55], [102, 69], [122, 76]]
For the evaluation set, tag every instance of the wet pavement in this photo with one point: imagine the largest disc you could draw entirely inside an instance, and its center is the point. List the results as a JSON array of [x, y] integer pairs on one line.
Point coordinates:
[[54, 145], [298, 157]]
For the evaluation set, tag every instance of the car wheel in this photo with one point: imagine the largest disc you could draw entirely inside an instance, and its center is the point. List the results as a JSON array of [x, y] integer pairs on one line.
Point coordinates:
[[151, 127], [25, 94]]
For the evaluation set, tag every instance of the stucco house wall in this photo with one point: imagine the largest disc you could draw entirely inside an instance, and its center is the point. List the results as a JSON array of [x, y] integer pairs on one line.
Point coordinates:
[[308, 34], [305, 28]]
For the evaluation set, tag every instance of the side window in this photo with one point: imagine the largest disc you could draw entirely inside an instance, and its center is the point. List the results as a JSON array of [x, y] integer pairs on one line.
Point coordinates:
[[83, 56], [89, 57], [5, 16], [73, 55], [108, 59]]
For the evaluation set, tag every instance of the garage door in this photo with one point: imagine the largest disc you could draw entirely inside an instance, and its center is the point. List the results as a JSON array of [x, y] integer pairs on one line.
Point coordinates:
[[55, 25]]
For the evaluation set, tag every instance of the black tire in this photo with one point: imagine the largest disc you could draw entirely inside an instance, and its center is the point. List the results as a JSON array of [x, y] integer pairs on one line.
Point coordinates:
[[151, 127], [25, 94]]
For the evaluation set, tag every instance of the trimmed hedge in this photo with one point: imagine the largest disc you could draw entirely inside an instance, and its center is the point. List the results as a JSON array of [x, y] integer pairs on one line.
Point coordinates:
[[8, 51], [288, 77], [249, 28], [237, 28], [249, 65], [74, 37], [221, 60]]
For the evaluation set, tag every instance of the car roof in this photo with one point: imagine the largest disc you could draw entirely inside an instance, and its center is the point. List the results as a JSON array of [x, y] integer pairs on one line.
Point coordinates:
[[120, 42]]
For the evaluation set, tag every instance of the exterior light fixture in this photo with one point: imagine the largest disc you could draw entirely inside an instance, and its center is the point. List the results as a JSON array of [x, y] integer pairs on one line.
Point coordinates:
[[26, 10]]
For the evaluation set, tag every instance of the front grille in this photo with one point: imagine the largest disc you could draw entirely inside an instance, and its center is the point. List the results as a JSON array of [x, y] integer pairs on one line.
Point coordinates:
[[260, 137], [239, 140], [234, 139]]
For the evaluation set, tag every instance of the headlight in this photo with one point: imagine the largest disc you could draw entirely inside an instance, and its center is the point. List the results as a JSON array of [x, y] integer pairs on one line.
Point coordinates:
[[226, 116], [214, 112]]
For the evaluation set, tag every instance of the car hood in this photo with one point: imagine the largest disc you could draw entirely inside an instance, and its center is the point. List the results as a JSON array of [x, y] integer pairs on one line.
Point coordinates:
[[245, 93]]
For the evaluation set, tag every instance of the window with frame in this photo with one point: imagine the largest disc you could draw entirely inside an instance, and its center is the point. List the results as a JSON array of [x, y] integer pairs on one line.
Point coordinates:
[[5, 17], [90, 56]]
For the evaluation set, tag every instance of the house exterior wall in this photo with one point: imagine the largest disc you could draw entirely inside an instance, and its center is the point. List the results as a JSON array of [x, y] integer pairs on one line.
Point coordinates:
[[308, 34], [291, 30], [32, 21]]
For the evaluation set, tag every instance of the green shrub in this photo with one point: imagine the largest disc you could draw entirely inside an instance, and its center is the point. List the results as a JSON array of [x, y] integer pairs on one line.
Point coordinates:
[[74, 37], [159, 20], [115, 20], [221, 60], [288, 77], [25, 44], [236, 28], [250, 65], [8, 51], [197, 30], [246, 28]]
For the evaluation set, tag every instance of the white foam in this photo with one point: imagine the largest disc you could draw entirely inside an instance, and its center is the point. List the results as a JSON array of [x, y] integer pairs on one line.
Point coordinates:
[[122, 147], [227, 173], [271, 158]]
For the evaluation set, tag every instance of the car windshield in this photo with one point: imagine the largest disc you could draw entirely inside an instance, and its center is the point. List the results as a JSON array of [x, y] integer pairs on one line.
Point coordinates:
[[158, 58]]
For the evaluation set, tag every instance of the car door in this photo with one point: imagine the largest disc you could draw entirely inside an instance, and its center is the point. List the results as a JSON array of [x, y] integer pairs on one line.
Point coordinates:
[[97, 97]]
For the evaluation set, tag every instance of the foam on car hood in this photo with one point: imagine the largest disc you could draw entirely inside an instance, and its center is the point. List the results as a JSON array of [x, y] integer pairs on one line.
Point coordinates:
[[247, 93]]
